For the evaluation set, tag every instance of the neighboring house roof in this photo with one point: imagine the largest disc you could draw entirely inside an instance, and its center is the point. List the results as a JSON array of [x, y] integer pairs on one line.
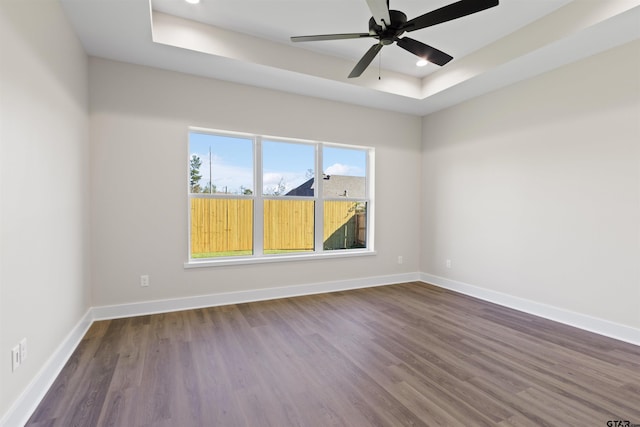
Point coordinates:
[[304, 189], [334, 186]]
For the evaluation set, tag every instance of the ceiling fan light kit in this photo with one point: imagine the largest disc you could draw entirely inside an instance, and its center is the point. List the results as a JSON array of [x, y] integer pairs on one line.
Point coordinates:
[[388, 25]]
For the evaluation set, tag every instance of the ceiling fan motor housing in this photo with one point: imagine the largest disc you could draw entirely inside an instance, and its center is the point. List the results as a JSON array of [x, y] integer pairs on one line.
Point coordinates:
[[389, 32], [393, 30]]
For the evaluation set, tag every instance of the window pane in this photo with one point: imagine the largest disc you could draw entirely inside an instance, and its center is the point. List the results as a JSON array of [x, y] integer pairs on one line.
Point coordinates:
[[220, 164], [288, 169], [221, 227], [288, 226], [345, 225], [344, 172]]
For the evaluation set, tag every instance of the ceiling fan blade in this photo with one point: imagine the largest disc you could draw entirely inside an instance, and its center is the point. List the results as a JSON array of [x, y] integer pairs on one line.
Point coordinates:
[[365, 60], [380, 11], [330, 37], [447, 13], [422, 50]]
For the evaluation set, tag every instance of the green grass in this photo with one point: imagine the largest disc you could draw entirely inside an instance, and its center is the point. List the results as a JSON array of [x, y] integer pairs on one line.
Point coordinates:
[[286, 251], [244, 253], [220, 254]]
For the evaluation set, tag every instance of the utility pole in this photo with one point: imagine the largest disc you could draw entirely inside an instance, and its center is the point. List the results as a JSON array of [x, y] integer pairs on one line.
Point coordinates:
[[210, 180]]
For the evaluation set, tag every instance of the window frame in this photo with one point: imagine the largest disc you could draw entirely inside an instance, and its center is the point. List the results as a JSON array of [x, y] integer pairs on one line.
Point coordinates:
[[258, 198]]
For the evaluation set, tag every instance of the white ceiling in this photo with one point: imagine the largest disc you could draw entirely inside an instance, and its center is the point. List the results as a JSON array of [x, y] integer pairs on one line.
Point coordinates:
[[279, 20], [247, 41]]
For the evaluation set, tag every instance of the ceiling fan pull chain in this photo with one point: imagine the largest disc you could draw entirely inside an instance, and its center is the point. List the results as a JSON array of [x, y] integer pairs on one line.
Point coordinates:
[[379, 65]]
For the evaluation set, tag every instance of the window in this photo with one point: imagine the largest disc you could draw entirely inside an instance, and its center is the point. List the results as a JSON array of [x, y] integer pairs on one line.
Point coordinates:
[[221, 182], [344, 192], [254, 197]]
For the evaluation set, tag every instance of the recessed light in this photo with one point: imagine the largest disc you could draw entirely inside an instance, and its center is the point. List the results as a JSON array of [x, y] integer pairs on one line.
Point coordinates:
[[422, 62], [192, 1]]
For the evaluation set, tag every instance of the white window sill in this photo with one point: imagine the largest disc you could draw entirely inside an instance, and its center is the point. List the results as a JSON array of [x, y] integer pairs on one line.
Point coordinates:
[[209, 262]]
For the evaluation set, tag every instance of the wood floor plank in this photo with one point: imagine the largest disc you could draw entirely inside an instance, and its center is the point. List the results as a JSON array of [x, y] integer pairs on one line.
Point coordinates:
[[63, 390], [405, 355]]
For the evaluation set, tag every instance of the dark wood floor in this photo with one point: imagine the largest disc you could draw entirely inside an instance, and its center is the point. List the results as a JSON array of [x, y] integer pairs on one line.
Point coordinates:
[[409, 354]]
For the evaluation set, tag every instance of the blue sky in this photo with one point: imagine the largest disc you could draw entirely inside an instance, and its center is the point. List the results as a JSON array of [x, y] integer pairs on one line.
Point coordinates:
[[289, 163]]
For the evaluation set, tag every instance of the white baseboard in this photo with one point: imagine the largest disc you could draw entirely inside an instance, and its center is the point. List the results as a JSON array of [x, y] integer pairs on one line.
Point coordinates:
[[28, 401], [212, 300], [581, 321]]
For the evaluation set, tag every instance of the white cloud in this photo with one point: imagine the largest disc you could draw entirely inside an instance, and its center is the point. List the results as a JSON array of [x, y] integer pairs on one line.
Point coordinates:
[[225, 177], [340, 169], [291, 180]]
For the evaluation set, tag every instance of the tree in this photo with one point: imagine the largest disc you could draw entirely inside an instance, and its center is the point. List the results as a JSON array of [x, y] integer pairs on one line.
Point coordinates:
[[194, 174], [279, 189], [309, 174]]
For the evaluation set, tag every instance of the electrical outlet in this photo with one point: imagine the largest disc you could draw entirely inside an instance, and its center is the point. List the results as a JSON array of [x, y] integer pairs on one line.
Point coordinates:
[[15, 357], [23, 350], [400, 260], [144, 280], [448, 263]]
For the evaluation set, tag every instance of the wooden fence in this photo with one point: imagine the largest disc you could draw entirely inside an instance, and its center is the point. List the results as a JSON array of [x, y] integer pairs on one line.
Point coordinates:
[[221, 225], [344, 225], [225, 225], [288, 225]]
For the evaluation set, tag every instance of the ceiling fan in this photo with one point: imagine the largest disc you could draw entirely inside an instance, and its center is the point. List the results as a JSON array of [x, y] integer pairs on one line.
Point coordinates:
[[388, 25]]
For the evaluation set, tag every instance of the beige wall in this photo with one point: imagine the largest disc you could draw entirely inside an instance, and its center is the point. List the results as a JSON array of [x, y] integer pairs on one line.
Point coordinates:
[[139, 121], [534, 190], [44, 186]]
